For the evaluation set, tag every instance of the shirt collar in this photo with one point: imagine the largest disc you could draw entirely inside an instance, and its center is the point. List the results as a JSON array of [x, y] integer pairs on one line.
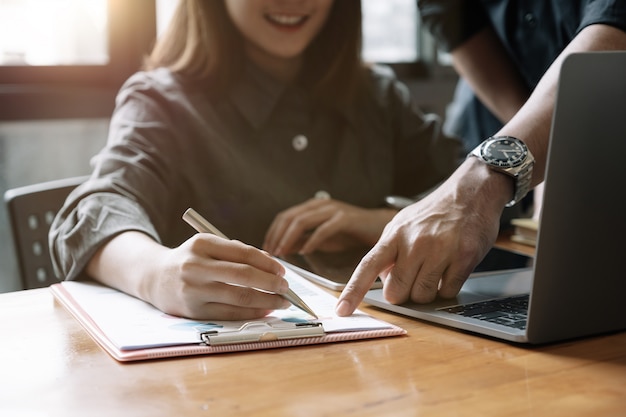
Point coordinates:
[[256, 95]]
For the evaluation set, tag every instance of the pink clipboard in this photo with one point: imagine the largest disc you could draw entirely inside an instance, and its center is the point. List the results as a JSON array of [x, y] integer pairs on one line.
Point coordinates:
[[95, 326]]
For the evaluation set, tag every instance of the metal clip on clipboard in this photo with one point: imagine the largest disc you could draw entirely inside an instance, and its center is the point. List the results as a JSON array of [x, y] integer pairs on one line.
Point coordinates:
[[266, 333]]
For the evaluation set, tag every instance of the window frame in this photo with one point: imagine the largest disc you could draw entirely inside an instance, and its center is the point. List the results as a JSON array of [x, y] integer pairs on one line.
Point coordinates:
[[82, 91]]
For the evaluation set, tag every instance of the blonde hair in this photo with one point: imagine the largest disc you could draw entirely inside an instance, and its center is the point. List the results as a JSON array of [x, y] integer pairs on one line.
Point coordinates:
[[202, 44]]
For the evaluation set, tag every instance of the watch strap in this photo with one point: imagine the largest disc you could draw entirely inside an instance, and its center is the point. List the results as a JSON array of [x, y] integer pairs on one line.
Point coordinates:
[[523, 180]]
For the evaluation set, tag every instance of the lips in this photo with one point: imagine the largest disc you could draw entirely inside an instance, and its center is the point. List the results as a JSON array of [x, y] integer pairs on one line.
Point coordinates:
[[286, 20]]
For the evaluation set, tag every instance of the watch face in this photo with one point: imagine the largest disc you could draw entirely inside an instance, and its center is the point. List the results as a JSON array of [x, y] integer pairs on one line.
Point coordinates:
[[504, 152]]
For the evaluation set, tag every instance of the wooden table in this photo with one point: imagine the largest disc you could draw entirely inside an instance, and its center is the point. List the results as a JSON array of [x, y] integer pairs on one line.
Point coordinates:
[[51, 367]]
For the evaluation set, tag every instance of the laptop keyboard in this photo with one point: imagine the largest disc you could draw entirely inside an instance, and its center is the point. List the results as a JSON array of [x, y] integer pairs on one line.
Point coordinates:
[[511, 311]]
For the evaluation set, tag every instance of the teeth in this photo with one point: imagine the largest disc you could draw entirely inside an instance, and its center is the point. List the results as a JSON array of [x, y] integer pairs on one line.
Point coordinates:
[[285, 19]]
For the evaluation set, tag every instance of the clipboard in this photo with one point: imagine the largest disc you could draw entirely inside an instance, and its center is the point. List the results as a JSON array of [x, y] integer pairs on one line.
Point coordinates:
[[260, 331], [135, 330]]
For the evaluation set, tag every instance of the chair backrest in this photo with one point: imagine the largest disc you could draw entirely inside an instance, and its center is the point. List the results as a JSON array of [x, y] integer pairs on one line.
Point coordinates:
[[31, 210]]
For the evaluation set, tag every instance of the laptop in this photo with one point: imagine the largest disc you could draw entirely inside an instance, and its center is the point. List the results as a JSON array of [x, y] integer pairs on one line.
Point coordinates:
[[577, 285]]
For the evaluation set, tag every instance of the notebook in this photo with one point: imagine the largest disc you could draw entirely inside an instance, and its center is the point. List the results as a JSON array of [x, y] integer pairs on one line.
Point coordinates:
[[577, 286], [135, 330]]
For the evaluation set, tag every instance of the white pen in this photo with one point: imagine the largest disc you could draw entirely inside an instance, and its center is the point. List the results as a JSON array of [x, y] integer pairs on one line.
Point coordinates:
[[202, 225]]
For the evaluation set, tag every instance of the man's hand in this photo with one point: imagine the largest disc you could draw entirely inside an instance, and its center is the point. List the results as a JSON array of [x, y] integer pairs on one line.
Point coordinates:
[[431, 247]]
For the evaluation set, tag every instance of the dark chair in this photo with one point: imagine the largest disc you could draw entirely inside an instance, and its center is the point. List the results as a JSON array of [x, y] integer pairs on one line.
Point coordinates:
[[31, 210]]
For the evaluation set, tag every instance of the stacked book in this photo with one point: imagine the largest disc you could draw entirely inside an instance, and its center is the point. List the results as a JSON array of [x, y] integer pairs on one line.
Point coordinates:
[[525, 231]]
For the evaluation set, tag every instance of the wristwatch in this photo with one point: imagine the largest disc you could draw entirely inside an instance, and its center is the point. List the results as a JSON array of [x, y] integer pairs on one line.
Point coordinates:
[[509, 156]]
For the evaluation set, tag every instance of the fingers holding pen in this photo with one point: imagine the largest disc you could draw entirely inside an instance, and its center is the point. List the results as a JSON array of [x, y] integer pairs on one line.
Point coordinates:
[[211, 277], [242, 257], [232, 302], [236, 263]]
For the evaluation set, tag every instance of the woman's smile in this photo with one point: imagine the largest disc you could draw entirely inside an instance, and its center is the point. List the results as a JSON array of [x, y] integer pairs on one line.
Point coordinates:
[[286, 21]]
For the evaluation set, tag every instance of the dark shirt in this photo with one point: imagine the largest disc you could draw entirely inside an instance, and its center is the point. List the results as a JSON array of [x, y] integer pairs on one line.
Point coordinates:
[[534, 32], [241, 160]]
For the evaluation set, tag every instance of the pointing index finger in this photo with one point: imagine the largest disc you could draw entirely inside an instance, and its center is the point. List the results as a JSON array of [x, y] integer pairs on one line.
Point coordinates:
[[376, 261]]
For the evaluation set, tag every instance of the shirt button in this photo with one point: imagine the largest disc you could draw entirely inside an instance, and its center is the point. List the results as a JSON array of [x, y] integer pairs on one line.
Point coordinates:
[[530, 20], [300, 142]]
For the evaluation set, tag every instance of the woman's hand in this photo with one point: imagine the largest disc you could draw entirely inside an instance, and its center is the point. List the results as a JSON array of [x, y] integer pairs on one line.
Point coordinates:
[[325, 224], [207, 277]]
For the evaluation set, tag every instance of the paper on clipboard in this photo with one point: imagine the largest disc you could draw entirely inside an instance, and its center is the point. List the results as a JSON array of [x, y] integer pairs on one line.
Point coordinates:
[[134, 329]]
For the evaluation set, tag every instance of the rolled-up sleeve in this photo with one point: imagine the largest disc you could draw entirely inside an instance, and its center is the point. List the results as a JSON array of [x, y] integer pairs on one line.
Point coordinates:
[[82, 228], [608, 12], [452, 22], [126, 190]]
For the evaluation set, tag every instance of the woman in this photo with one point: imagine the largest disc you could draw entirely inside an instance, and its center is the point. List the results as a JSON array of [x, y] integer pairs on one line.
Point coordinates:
[[245, 109]]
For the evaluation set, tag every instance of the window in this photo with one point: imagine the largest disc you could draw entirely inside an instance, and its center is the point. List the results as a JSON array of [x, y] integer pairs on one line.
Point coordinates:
[[57, 32], [383, 45], [68, 58]]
